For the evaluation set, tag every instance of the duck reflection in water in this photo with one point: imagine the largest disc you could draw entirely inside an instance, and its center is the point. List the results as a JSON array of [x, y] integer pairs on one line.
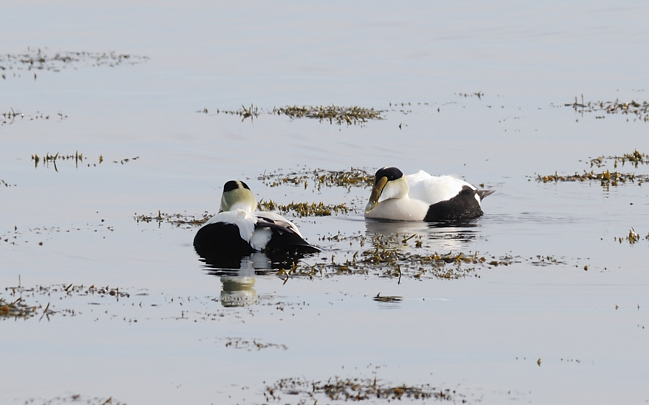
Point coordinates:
[[238, 285], [451, 235], [238, 280]]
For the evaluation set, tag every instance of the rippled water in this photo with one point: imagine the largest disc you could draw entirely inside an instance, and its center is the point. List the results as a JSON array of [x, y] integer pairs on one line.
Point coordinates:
[[561, 318]]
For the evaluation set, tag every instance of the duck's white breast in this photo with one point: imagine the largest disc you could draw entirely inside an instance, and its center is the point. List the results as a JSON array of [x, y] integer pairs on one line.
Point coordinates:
[[400, 209]]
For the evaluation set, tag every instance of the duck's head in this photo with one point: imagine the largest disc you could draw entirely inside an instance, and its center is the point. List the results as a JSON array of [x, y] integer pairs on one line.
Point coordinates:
[[389, 183], [237, 195]]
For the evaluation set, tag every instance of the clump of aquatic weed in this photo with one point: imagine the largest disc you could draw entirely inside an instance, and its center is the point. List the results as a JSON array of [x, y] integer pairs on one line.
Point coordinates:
[[353, 389], [353, 115], [391, 256], [639, 109], [45, 160], [607, 177], [633, 237], [9, 117], [354, 177], [250, 345], [16, 309], [304, 209], [636, 158], [75, 399], [45, 59], [174, 219]]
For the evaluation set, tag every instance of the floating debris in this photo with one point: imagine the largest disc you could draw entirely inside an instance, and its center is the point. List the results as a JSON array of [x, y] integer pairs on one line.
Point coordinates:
[[606, 178], [636, 158], [391, 256], [44, 59], [544, 261], [77, 399], [333, 114], [174, 219], [250, 345], [77, 157], [387, 298], [303, 209], [9, 117], [354, 389], [478, 94], [639, 109], [319, 178], [633, 237], [16, 309]]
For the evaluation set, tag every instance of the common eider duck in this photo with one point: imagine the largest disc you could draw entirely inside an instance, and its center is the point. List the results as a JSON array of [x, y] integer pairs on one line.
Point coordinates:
[[237, 230], [422, 197]]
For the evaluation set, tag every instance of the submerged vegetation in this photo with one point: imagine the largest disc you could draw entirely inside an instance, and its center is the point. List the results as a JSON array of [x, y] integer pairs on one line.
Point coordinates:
[[639, 109], [353, 389], [319, 178], [333, 114]]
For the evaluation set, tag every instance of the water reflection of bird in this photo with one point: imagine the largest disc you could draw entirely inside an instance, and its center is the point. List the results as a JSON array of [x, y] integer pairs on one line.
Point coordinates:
[[439, 236], [422, 197], [238, 285], [237, 230]]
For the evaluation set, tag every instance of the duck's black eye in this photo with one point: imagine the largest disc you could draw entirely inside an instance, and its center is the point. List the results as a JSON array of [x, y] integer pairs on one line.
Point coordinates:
[[230, 185], [245, 185], [392, 173]]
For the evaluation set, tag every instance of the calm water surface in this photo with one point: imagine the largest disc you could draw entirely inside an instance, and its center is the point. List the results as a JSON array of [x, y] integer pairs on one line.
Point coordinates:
[[566, 321]]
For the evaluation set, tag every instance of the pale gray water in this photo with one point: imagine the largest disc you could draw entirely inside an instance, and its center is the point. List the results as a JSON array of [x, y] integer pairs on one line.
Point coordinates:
[[481, 336]]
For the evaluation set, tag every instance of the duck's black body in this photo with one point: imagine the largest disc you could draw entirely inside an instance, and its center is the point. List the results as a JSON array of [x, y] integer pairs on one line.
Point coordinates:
[[463, 206], [224, 239]]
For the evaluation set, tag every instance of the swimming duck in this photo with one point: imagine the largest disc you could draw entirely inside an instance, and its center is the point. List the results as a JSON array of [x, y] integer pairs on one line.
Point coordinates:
[[237, 230], [422, 197]]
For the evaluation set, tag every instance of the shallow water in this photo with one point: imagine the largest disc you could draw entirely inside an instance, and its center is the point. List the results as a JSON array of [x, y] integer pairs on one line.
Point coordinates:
[[565, 291]]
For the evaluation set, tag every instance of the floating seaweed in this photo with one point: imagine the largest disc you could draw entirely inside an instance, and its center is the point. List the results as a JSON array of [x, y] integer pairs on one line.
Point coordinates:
[[250, 345], [303, 209], [174, 219], [354, 177], [639, 109], [44, 59], [636, 158], [606, 178], [633, 237], [333, 114], [77, 157], [76, 399], [9, 117], [16, 309], [354, 389], [391, 256]]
